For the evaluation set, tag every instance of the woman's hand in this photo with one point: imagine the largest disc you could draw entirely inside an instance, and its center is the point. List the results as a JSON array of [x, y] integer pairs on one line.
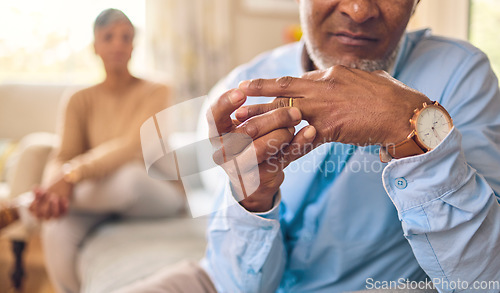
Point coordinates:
[[52, 202]]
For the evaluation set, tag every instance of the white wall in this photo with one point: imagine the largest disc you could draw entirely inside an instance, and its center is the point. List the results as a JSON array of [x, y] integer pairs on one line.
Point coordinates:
[[445, 17], [258, 31]]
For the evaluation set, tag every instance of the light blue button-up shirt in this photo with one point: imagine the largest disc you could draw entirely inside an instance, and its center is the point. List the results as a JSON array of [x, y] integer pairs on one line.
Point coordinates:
[[345, 221]]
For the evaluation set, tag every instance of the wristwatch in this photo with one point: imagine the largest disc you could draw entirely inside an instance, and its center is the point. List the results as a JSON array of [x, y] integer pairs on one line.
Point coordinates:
[[71, 174], [430, 125]]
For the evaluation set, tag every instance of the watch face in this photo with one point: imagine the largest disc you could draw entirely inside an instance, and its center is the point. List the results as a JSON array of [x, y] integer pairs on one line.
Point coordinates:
[[433, 125]]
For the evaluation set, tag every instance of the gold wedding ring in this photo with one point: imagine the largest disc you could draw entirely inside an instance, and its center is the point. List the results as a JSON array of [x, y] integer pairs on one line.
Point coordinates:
[[290, 102]]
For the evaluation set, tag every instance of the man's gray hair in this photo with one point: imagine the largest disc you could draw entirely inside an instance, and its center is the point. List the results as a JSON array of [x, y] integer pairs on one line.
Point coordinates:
[[110, 16]]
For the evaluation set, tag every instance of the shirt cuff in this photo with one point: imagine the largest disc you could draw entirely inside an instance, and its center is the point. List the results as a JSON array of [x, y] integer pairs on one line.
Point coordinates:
[[250, 236], [414, 181], [234, 216], [274, 212]]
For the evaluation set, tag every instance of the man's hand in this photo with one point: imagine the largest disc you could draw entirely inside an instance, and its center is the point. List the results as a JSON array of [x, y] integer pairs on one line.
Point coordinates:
[[345, 105], [270, 135], [52, 202]]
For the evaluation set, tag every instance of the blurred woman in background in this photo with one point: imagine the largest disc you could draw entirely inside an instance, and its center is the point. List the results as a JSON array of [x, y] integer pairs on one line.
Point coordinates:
[[98, 169]]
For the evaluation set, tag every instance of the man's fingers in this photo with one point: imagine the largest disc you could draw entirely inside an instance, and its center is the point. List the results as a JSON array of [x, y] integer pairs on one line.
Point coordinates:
[[302, 143], [258, 126], [266, 147], [228, 146], [219, 113], [261, 149], [284, 86], [263, 124], [246, 112]]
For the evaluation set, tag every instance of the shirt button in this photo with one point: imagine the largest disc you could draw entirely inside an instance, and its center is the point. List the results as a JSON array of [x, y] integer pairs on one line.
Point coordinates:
[[401, 183]]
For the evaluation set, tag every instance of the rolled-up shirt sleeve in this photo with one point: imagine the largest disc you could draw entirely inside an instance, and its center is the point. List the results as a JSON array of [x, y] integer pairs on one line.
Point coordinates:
[[448, 199], [449, 214]]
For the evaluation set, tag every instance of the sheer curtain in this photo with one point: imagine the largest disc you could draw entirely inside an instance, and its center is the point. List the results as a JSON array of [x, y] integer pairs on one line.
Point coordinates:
[[190, 43]]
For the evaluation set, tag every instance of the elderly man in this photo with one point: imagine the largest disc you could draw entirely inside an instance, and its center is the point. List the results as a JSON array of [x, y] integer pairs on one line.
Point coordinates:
[[337, 218]]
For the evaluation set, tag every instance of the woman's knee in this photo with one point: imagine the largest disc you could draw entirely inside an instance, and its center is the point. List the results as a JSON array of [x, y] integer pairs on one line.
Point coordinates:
[[127, 177], [66, 232], [57, 232]]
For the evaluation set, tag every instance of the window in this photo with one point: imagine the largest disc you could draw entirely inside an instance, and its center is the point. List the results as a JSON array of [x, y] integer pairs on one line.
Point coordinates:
[[51, 41], [483, 31]]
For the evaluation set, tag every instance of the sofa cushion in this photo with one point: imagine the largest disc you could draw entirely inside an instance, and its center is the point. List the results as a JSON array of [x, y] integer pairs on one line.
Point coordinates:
[[25, 166], [124, 251]]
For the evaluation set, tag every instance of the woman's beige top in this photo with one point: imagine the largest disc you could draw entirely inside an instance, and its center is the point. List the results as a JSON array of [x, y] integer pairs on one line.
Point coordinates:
[[99, 129]]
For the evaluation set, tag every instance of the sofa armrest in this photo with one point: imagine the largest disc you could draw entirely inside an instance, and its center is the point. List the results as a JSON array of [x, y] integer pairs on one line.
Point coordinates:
[[28, 163]]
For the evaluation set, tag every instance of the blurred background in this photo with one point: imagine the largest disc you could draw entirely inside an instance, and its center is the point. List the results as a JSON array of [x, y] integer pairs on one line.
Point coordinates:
[[188, 43], [46, 52]]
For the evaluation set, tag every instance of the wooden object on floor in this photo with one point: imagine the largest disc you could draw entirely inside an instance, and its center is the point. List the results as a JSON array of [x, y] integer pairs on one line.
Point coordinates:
[[18, 270], [35, 279]]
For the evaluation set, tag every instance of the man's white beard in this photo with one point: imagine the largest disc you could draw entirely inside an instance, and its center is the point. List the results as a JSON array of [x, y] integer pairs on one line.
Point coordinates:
[[324, 61]]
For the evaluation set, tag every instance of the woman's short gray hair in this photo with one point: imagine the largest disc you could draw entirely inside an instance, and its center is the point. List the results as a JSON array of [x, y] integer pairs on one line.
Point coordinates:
[[110, 16]]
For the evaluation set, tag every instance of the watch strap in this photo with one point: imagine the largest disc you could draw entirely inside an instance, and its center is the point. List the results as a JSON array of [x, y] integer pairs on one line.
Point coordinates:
[[406, 148]]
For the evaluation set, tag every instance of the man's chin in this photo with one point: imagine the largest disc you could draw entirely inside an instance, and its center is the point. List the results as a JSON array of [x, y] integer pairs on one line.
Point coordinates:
[[324, 61]]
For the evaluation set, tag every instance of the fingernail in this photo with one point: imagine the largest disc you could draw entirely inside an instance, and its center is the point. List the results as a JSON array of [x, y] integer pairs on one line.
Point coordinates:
[[241, 113], [295, 113], [310, 133], [292, 130], [244, 84], [236, 96]]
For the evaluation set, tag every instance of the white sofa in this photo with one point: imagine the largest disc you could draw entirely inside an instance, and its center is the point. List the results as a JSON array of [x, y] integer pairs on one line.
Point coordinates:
[[119, 251]]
